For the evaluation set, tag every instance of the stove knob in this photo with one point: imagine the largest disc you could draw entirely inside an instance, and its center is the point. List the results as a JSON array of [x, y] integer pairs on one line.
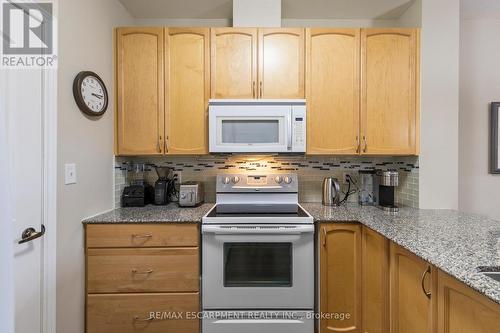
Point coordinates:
[[288, 180], [278, 179], [226, 180], [236, 179]]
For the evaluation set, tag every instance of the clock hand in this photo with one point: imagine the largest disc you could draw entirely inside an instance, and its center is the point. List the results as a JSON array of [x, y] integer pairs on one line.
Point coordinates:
[[98, 96]]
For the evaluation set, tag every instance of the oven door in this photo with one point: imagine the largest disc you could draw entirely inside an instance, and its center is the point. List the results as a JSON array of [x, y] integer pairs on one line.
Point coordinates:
[[250, 128], [258, 267]]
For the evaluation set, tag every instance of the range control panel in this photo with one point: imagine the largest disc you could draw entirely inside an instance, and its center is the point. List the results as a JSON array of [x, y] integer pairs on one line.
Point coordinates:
[[257, 183]]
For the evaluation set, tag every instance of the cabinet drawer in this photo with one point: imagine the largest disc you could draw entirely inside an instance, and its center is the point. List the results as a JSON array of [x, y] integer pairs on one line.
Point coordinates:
[[142, 270], [142, 235], [123, 313]]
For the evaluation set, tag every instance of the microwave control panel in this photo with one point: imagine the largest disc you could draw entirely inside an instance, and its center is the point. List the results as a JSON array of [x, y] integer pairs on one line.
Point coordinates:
[[299, 128]]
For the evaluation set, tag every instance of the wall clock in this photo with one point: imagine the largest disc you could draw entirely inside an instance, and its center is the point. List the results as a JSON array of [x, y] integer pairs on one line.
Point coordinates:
[[90, 93]]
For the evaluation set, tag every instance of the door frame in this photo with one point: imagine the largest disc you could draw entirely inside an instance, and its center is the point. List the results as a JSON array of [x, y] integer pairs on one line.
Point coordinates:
[[50, 109]]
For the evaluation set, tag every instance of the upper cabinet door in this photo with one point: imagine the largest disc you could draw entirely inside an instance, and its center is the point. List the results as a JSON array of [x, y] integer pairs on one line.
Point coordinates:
[[281, 63], [234, 62], [389, 103], [140, 100], [187, 79], [332, 91]]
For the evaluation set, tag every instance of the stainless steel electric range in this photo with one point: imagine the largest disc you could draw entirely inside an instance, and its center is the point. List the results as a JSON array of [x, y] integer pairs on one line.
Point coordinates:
[[258, 257]]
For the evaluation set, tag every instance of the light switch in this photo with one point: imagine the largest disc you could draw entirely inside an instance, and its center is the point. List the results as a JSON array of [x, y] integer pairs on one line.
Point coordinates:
[[70, 173]]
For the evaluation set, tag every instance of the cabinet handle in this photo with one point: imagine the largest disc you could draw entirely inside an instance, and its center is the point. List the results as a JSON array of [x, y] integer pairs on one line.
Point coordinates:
[[365, 143], [324, 236], [135, 271], [136, 318], [253, 90], [158, 146], [260, 89], [426, 293], [358, 145], [166, 144], [142, 236]]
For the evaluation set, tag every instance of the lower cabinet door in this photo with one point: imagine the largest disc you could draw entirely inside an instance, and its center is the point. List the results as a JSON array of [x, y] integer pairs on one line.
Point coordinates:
[[145, 313], [375, 289], [340, 277], [463, 310], [412, 292]]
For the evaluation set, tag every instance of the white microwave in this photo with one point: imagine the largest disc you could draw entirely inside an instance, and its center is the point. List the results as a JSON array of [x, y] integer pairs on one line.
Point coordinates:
[[257, 125]]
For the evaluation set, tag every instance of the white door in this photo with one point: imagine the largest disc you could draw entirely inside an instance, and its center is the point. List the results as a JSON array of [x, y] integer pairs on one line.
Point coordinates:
[[25, 141]]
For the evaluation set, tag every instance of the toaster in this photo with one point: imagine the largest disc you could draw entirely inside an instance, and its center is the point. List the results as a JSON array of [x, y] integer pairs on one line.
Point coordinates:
[[191, 194]]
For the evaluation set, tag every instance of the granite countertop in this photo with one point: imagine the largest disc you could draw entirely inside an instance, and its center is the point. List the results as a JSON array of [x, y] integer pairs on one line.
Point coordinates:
[[455, 242], [152, 214]]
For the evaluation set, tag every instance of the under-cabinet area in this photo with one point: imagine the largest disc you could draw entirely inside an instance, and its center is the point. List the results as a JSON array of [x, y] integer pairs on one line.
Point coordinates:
[[360, 84]]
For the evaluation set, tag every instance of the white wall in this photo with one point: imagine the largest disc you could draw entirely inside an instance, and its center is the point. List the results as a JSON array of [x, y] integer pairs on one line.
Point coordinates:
[[438, 179], [479, 85], [347, 23], [85, 43]]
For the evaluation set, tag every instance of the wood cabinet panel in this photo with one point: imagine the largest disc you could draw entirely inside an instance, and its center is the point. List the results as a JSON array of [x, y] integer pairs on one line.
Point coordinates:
[[375, 281], [142, 270], [389, 117], [142, 235], [187, 63], [281, 63], [463, 310], [234, 62], [411, 309], [332, 90], [340, 277], [130, 313], [139, 91]]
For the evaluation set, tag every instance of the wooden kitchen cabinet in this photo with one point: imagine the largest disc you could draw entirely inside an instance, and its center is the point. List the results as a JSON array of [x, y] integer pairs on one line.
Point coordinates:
[[139, 91], [132, 270], [463, 310], [340, 277], [234, 62], [281, 63], [389, 91], [332, 90], [375, 282], [413, 292], [187, 80]]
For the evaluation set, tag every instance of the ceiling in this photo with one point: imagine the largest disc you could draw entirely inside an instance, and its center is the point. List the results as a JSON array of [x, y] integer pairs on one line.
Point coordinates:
[[291, 9]]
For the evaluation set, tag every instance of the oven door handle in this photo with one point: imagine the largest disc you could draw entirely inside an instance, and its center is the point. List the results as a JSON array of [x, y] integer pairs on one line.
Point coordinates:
[[253, 230], [258, 321]]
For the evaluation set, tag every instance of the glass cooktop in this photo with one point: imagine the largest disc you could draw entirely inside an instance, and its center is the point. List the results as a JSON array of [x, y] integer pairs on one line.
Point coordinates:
[[256, 210]]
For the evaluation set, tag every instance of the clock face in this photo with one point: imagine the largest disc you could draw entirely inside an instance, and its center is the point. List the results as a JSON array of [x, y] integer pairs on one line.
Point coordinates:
[[93, 94]]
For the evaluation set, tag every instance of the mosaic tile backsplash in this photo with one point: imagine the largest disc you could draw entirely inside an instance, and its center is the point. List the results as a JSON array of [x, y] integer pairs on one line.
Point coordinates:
[[310, 169]]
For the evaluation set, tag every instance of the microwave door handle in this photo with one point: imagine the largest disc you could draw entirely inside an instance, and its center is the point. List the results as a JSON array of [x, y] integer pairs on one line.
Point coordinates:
[[289, 131]]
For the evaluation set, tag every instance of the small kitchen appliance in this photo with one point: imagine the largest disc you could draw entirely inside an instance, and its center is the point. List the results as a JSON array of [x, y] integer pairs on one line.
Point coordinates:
[[258, 257], [367, 194], [191, 194], [387, 182], [138, 195], [257, 125], [164, 186], [331, 192]]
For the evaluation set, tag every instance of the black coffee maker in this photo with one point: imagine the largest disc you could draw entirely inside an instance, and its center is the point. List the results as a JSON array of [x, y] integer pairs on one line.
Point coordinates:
[[387, 183], [164, 186]]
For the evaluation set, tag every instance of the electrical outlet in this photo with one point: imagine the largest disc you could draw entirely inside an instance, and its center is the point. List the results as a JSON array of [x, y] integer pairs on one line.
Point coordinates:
[[178, 176], [345, 177]]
